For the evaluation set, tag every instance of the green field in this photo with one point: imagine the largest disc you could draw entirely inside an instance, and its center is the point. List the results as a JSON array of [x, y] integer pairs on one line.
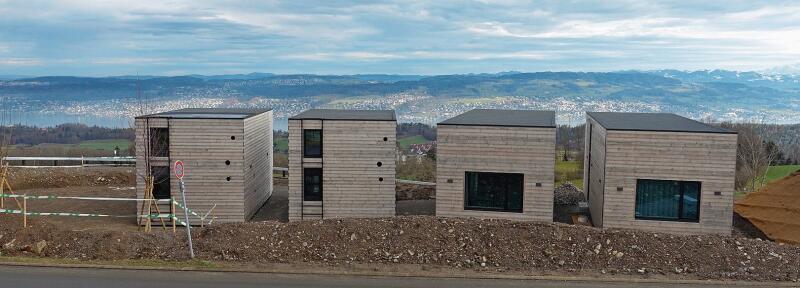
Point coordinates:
[[778, 172], [103, 147], [569, 171], [106, 144], [282, 143], [407, 141]]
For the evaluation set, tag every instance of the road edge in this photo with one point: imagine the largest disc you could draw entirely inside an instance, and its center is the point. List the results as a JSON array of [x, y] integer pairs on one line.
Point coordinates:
[[439, 275]]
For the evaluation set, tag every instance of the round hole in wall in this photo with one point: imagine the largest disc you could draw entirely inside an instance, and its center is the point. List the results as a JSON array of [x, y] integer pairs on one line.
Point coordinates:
[[385, 139], [380, 179], [233, 137], [228, 179], [228, 162], [380, 164]]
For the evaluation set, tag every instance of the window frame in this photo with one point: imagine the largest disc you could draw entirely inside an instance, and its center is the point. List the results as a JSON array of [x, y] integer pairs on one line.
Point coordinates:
[[682, 192], [161, 180], [305, 185], [506, 209], [305, 143], [154, 142]]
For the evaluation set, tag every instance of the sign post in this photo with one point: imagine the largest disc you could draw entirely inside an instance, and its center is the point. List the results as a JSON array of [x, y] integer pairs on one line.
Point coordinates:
[[180, 171]]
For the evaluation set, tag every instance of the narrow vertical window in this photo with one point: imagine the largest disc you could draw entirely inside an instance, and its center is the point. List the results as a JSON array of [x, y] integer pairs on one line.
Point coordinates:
[[312, 143], [161, 187], [312, 184], [159, 142]]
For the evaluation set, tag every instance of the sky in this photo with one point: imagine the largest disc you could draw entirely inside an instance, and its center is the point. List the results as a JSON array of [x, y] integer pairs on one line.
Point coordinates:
[[166, 37]]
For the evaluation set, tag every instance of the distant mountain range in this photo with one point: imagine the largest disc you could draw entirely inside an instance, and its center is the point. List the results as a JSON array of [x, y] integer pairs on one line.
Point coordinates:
[[717, 94]]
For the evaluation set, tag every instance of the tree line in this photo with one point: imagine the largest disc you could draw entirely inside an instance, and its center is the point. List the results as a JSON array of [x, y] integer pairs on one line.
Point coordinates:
[[63, 134]]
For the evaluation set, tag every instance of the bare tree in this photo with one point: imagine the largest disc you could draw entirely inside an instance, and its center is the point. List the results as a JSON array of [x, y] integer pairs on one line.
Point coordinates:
[[151, 146], [754, 156]]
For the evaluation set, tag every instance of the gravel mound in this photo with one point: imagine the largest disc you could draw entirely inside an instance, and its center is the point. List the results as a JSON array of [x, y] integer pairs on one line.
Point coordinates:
[[568, 194], [481, 245]]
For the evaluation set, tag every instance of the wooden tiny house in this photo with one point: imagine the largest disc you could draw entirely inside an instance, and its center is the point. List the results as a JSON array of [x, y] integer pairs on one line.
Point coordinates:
[[496, 164], [342, 164], [659, 172], [227, 154]]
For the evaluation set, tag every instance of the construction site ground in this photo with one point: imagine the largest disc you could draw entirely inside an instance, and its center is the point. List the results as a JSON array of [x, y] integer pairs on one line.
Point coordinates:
[[402, 243]]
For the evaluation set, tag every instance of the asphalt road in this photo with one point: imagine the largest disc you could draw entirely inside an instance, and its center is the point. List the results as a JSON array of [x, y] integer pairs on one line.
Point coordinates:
[[37, 277]]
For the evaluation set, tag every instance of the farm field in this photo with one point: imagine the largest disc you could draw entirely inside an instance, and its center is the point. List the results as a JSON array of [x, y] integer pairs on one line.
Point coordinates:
[[104, 147], [778, 172], [281, 143], [406, 142], [569, 171]]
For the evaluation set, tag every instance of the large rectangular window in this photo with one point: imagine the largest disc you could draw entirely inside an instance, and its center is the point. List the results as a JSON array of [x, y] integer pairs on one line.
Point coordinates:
[[161, 188], [668, 200], [493, 191], [312, 184], [159, 142], [312, 143]]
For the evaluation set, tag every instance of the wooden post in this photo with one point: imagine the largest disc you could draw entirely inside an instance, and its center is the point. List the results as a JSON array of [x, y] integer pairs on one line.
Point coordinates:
[[25, 211]]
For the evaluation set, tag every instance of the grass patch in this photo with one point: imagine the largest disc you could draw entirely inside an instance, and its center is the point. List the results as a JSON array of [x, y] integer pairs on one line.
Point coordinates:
[[281, 143], [778, 172], [569, 171], [106, 144], [406, 142]]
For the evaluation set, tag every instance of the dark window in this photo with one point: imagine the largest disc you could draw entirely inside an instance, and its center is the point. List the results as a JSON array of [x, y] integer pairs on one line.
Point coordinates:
[[493, 191], [159, 142], [312, 184], [161, 182], [312, 143], [668, 200]]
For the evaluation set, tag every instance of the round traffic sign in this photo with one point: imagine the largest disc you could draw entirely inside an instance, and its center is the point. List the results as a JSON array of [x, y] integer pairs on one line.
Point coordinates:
[[179, 169]]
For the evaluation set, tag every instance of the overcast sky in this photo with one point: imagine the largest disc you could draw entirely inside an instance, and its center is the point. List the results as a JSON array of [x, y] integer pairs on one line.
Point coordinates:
[[405, 37]]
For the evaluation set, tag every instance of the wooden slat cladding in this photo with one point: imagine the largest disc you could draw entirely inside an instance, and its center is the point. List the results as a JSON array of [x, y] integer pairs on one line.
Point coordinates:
[[258, 162], [594, 174], [217, 154], [350, 153], [709, 158], [526, 150]]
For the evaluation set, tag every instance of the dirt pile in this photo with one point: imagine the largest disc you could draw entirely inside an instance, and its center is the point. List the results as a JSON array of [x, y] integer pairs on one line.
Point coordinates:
[[481, 245], [58, 177], [775, 209], [567, 194], [414, 192]]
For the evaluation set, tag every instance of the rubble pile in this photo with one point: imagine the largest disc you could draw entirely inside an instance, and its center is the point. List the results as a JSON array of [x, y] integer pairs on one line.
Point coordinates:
[[568, 194], [496, 246]]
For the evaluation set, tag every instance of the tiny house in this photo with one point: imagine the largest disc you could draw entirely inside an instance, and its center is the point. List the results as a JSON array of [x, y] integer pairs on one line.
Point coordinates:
[[496, 164], [342, 164], [659, 172], [227, 154]]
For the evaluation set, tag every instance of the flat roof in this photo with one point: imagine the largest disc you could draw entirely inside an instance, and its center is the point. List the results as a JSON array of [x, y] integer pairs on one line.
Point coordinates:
[[509, 118], [661, 122], [209, 113], [339, 114]]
